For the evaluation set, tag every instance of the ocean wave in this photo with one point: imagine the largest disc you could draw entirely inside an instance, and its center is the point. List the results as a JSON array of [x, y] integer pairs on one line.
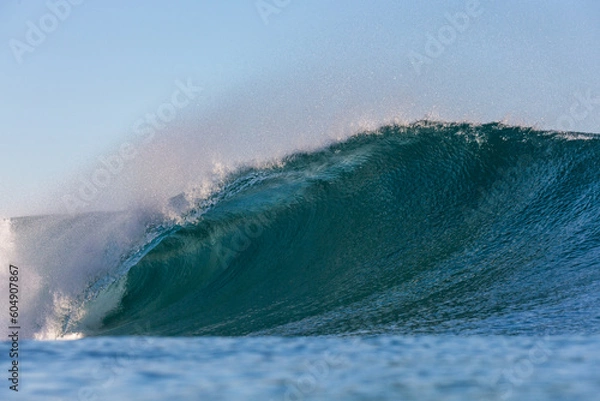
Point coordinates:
[[424, 228]]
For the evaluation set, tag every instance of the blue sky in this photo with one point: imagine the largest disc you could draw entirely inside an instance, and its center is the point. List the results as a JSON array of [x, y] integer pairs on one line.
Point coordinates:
[[77, 94]]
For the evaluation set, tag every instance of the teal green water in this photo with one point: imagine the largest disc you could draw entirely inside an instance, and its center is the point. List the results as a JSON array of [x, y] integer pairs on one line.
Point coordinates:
[[423, 229]]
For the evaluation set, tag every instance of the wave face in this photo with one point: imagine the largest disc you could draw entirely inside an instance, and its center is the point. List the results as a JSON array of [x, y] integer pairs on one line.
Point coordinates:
[[427, 228]]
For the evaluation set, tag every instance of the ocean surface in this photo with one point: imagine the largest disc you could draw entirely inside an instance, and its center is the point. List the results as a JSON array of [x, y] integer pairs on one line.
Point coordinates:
[[431, 261]]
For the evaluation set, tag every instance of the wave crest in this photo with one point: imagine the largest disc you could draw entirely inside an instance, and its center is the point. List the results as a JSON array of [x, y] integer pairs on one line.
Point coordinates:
[[422, 228]]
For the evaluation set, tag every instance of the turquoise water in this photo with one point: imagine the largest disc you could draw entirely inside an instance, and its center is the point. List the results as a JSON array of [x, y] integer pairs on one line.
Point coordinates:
[[429, 261]]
